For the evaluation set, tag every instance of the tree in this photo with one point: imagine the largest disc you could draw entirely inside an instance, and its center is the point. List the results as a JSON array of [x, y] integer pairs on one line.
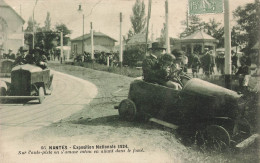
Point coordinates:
[[28, 31], [62, 27], [47, 22], [247, 19], [215, 29], [130, 34], [195, 23], [162, 38], [138, 19]]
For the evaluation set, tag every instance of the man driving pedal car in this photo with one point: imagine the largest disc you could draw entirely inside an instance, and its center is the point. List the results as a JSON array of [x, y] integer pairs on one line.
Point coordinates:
[[158, 67], [38, 58], [21, 58]]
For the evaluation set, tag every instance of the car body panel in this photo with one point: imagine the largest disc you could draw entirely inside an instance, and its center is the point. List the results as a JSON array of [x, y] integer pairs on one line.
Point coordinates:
[[199, 101]]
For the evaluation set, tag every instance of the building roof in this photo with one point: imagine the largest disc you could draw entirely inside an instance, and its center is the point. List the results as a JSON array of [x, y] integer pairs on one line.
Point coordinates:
[[99, 48], [137, 39], [198, 36], [95, 34], [4, 4]]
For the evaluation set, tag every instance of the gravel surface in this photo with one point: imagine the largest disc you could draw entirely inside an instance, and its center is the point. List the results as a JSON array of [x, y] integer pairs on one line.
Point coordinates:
[[98, 123]]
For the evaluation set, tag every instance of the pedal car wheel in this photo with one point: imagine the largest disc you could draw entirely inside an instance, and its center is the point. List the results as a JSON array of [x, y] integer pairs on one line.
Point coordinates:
[[217, 137], [127, 110], [213, 137], [41, 94]]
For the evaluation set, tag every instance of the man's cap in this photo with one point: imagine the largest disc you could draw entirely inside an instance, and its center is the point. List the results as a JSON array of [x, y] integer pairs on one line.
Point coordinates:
[[157, 45], [37, 49], [167, 58], [10, 50], [23, 49], [178, 53]]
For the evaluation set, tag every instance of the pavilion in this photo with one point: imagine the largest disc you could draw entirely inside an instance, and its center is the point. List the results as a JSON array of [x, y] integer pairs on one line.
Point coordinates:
[[197, 42]]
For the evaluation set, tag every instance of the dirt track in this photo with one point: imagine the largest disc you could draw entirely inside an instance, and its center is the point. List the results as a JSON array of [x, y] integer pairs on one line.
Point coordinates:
[[98, 123]]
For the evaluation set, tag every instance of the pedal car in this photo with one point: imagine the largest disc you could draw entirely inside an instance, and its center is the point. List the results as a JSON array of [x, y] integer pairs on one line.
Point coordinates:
[[27, 82], [212, 113]]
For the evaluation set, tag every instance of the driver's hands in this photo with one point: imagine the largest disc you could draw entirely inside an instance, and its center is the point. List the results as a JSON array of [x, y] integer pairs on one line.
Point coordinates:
[[42, 63]]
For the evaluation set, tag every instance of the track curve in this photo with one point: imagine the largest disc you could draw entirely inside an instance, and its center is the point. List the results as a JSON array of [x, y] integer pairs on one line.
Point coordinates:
[[70, 94]]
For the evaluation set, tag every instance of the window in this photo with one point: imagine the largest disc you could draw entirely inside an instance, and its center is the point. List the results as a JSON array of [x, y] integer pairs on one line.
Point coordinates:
[[75, 48]]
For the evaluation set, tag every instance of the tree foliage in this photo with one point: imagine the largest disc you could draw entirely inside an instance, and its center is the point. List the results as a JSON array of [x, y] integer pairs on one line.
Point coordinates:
[[28, 36], [162, 38], [62, 27], [138, 19], [134, 54], [47, 22], [195, 23], [216, 30], [45, 37], [213, 28], [247, 26]]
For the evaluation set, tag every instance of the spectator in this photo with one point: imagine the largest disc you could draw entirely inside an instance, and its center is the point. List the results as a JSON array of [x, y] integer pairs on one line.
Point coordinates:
[[220, 62], [157, 67], [195, 64], [243, 73], [208, 62], [234, 59]]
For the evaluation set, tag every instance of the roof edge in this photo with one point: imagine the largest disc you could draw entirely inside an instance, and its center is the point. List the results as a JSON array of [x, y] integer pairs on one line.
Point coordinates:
[[19, 16]]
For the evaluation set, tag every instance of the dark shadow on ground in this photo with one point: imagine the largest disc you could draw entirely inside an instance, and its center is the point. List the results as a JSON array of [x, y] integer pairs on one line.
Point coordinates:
[[113, 121], [21, 102]]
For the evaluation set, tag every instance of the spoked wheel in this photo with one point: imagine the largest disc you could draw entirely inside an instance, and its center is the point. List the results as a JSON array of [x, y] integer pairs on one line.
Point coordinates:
[[213, 137], [127, 110], [41, 94]]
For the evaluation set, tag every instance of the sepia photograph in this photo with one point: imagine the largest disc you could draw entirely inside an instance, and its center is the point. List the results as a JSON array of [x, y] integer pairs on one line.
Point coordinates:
[[129, 81]]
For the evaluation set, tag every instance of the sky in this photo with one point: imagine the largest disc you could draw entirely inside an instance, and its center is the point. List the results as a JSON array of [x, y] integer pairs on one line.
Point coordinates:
[[104, 14]]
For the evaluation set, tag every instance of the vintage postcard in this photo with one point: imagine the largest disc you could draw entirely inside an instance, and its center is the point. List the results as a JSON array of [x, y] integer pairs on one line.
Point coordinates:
[[129, 81]]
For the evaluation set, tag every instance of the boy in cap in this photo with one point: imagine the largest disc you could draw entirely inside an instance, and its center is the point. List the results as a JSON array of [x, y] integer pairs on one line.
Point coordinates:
[[157, 67]]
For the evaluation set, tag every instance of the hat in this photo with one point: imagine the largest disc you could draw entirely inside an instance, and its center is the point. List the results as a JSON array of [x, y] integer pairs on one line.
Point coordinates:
[[37, 49], [23, 49], [167, 58], [157, 45], [10, 50], [178, 53]]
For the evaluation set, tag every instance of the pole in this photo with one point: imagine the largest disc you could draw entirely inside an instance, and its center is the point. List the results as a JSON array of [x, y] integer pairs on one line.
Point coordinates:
[[227, 32], [168, 48], [187, 18], [147, 26], [33, 24], [121, 44], [107, 61], [92, 42], [33, 30], [61, 44], [258, 17], [83, 36]]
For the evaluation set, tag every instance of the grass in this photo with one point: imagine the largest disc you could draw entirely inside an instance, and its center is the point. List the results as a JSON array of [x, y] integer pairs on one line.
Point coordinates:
[[137, 72], [126, 71]]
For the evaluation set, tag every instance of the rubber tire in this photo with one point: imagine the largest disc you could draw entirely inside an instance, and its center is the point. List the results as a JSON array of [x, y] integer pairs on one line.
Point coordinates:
[[41, 95], [127, 110], [217, 135], [3, 91]]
